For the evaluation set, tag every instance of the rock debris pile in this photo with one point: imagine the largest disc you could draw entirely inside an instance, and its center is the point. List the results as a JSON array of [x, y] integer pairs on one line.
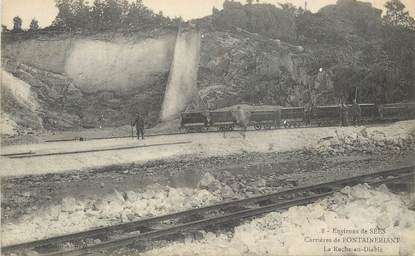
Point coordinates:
[[289, 232], [369, 142], [228, 186], [73, 215], [78, 215]]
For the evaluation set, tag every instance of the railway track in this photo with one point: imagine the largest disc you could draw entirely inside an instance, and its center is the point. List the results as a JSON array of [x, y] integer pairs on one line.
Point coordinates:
[[145, 230], [164, 134], [249, 130], [33, 154]]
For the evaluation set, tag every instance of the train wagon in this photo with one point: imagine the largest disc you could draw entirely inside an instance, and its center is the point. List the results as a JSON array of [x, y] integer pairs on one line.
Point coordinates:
[[326, 115], [223, 120], [194, 121], [397, 111], [392, 112], [265, 119], [407, 110], [292, 117], [410, 108], [369, 112]]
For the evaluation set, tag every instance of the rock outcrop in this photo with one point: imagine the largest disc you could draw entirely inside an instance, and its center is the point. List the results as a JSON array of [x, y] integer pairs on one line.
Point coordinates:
[[351, 16], [19, 107], [239, 66], [264, 19]]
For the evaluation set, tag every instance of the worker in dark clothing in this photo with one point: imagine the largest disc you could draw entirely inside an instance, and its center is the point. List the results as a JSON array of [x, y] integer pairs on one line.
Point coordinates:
[[356, 113], [308, 110], [344, 113], [206, 114], [101, 120], [380, 107], [241, 118], [139, 126], [308, 107]]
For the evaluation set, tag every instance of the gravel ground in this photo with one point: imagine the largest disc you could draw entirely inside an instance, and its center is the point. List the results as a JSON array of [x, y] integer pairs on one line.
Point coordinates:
[[235, 176]]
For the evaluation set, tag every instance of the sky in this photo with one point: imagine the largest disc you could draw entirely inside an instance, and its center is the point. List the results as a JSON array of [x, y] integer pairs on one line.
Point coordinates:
[[45, 11]]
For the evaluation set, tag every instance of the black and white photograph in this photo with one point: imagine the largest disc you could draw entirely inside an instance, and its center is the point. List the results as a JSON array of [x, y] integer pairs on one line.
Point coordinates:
[[207, 127]]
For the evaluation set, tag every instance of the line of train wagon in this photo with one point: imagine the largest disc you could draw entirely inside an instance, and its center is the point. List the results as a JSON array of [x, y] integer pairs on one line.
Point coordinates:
[[289, 117]]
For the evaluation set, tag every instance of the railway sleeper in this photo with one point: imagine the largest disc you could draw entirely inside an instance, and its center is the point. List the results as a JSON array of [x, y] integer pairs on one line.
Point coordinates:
[[191, 217], [237, 208], [160, 226], [265, 202], [401, 186]]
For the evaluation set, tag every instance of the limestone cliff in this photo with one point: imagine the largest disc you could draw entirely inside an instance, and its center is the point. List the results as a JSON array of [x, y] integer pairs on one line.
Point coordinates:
[[90, 81], [103, 80]]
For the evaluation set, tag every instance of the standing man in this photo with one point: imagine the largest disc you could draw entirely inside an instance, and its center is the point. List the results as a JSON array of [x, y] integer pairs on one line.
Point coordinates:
[[139, 126], [241, 118], [101, 120], [344, 114], [308, 107], [356, 113]]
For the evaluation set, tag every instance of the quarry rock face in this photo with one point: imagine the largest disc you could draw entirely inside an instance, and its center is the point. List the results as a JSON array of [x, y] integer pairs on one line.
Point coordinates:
[[103, 80], [108, 66], [92, 81], [84, 82], [240, 67], [19, 107]]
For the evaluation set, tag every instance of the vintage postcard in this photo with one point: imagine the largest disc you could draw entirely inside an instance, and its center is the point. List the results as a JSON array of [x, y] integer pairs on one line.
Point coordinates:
[[207, 127]]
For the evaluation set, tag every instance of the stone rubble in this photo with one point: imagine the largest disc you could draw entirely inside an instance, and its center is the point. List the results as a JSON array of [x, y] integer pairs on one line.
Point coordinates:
[[364, 142], [78, 215], [284, 233], [75, 215]]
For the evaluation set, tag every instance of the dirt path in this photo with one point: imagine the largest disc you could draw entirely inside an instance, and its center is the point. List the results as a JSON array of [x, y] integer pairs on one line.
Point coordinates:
[[99, 154]]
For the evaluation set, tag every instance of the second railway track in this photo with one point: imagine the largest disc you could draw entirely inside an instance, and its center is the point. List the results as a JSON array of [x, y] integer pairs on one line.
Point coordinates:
[[142, 231]]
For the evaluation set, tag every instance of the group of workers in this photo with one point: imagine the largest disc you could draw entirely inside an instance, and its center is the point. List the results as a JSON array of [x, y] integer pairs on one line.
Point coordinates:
[[351, 113], [138, 122], [355, 113], [347, 114]]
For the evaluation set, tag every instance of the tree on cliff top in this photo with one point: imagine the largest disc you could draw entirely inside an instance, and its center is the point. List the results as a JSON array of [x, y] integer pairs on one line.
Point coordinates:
[[397, 16], [64, 17], [291, 9], [4, 28], [138, 14], [105, 15], [72, 14], [34, 25], [17, 24]]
